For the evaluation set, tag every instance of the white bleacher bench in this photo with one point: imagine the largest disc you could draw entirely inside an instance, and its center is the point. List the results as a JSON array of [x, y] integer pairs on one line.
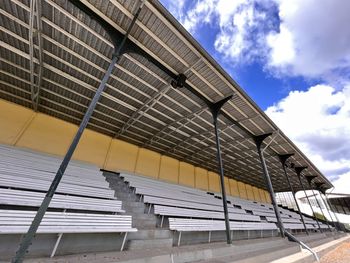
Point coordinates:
[[23, 182], [98, 182], [18, 222], [284, 220], [148, 182], [30, 198], [177, 195], [153, 200], [300, 226], [184, 212], [268, 214], [17, 157], [186, 225]]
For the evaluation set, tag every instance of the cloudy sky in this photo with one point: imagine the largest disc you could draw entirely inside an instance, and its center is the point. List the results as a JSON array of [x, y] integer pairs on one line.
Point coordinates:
[[293, 59]]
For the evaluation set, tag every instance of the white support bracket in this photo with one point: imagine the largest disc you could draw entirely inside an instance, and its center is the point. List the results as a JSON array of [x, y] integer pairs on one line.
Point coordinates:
[[124, 239], [56, 245]]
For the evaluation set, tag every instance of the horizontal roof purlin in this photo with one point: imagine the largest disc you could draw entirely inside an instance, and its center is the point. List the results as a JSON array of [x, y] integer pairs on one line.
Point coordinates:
[[139, 105]]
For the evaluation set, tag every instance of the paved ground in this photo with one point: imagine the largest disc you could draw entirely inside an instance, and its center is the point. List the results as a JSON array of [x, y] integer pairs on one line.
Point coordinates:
[[339, 255]]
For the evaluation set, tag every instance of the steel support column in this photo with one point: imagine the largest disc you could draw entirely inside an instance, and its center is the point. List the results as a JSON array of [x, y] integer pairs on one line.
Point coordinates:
[[339, 228], [328, 207], [283, 158], [258, 141], [309, 180], [298, 171], [215, 110], [27, 239]]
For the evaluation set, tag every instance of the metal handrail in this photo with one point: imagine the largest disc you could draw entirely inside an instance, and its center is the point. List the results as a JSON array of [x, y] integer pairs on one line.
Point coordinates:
[[293, 238]]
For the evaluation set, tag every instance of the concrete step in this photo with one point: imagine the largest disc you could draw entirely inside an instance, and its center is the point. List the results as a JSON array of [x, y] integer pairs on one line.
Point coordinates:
[[316, 243], [143, 223], [261, 256], [120, 186], [150, 234], [126, 196], [311, 237], [149, 243], [138, 216], [133, 204], [134, 210], [127, 199]]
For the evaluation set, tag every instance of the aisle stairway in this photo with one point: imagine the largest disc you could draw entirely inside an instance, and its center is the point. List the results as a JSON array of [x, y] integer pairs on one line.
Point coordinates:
[[148, 234]]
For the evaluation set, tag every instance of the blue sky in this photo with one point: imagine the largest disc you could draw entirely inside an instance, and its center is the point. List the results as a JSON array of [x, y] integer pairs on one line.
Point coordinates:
[[293, 59]]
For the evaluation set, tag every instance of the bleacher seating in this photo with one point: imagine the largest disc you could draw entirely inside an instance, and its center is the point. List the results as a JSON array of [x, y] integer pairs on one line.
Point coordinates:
[[83, 202], [185, 225], [189, 209]]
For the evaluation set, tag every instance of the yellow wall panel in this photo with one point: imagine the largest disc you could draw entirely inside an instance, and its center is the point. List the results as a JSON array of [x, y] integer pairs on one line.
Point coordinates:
[[92, 147], [227, 186], [267, 196], [242, 190], [256, 194], [25, 128], [214, 182], [201, 178], [122, 156], [233, 187], [262, 195], [48, 134], [169, 169], [148, 163], [186, 174], [250, 194], [13, 121]]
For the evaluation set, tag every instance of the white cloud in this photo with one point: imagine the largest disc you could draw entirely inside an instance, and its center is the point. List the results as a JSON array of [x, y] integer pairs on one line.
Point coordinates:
[[282, 47], [235, 22], [318, 121], [202, 12], [313, 39], [294, 38]]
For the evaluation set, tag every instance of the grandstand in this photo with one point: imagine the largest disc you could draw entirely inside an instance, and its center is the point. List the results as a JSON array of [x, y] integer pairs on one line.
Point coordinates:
[[121, 136]]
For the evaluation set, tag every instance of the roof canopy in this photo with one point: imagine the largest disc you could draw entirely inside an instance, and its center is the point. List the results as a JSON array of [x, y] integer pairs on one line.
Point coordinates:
[[70, 53]]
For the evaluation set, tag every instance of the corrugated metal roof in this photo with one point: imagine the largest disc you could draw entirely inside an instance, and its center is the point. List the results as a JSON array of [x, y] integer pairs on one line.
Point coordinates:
[[138, 105]]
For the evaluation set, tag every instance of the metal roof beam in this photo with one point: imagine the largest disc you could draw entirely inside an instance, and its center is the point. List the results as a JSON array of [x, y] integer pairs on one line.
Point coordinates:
[[189, 118]]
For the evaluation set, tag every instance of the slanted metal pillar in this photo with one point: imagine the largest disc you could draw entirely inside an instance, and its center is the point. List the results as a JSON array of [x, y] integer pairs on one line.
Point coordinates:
[[258, 141], [215, 110], [27, 239], [298, 171], [309, 180], [180, 82], [283, 158], [328, 206]]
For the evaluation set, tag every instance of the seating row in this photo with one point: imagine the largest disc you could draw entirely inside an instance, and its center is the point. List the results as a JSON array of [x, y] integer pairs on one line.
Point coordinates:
[[18, 222], [25, 177], [186, 225], [34, 199], [181, 202]]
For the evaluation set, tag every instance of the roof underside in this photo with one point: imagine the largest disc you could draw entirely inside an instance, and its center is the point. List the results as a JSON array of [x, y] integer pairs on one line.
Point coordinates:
[[138, 105]]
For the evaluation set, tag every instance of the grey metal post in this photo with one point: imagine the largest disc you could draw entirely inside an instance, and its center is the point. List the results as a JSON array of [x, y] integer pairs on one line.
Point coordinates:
[[333, 211], [327, 208], [27, 239], [180, 82], [309, 180], [323, 191], [215, 109], [258, 141], [298, 170], [283, 158]]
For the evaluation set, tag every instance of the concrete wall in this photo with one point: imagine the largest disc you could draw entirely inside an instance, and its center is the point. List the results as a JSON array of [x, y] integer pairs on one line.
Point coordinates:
[[43, 244], [23, 127]]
